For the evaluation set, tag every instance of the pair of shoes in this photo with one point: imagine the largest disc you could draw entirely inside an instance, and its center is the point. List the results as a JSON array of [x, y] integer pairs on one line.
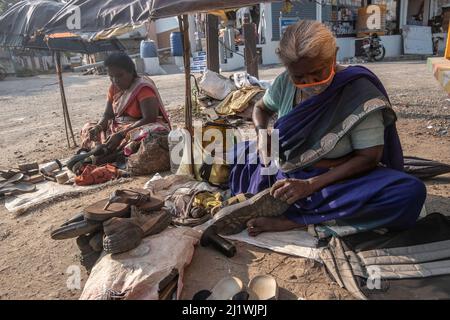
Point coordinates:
[[90, 220], [263, 287]]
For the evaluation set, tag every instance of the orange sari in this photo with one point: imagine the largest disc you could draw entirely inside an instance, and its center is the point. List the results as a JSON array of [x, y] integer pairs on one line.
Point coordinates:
[[127, 112]]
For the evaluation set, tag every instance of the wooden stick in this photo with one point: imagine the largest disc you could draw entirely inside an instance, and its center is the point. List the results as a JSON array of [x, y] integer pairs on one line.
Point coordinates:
[[184, 28], [251, 55], [58, 73], [212, 42], [63, 98]]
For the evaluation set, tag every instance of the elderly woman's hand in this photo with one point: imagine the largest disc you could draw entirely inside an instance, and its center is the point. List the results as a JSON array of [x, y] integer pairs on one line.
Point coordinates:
[[292, 190]]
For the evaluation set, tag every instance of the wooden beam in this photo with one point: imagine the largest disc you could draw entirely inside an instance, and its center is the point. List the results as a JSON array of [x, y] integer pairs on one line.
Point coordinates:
[[447, 48], [251, 55], [212, 42]]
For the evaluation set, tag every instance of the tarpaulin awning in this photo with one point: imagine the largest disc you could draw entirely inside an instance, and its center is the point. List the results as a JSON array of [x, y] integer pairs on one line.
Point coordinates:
[[21, 26], [90, 18], [21, 21], [169, 8]]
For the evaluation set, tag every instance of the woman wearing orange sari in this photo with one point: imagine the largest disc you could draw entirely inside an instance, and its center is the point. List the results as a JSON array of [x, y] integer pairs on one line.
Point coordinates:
[[134, 108]]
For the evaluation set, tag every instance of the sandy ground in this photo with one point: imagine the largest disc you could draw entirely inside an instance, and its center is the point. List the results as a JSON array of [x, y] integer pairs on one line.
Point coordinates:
[[32, 266]]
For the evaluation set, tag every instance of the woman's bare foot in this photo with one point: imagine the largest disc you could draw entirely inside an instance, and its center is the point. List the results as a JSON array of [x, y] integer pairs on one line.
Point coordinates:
[[260, 225]]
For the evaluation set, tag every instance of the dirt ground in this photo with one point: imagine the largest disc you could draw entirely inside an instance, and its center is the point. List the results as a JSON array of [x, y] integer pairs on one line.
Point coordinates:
[[32, 266]]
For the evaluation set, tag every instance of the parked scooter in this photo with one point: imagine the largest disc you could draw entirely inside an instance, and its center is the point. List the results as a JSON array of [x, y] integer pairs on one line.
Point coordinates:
[[374, 48]]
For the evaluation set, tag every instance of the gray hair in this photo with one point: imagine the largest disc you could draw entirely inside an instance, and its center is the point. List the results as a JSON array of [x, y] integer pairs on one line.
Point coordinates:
[[306, 39]]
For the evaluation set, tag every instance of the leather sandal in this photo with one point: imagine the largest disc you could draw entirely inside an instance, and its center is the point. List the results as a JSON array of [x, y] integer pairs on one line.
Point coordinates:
[[97, 211], [141, 198]]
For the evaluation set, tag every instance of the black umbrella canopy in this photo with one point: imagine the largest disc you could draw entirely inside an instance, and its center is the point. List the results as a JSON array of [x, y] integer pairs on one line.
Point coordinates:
[[19, 23], [169, 8], [94, 16]]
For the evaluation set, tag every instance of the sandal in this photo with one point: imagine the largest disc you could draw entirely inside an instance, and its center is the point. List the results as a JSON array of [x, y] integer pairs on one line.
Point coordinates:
[[9, 182], [141, 198], [97, 211], [264, 287], [21, 187], [226, 289]]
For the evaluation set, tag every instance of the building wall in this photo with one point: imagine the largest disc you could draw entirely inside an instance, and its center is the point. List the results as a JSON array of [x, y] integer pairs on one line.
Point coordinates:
[[303, 10], [393, 43]]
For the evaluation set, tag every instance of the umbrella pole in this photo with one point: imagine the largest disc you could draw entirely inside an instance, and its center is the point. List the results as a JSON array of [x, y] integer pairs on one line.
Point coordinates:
[[57, 61], [184, 28], [67, 122]]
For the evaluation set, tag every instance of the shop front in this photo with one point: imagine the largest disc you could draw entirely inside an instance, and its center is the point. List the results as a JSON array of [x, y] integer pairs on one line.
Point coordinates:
[[350, 21]]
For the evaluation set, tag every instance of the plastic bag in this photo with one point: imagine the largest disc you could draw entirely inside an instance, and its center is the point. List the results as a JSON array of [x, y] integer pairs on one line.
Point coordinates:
[[215, 85]]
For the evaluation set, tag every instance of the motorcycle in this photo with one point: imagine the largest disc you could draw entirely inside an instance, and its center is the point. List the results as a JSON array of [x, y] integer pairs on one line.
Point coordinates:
[[374, 48]]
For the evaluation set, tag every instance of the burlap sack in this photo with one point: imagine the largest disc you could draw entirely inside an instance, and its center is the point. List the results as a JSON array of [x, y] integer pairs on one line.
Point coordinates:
[[153, 156]]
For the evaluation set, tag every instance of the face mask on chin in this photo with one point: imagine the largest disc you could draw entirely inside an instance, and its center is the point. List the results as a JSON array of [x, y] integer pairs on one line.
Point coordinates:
[[316, 90], [313, 89]]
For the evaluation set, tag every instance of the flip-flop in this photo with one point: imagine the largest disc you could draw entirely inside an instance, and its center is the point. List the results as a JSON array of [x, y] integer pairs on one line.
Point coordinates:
[[21, 187], [6, 174], [141, 198], [15, 178], [96, 211], [76, 229], [226, 289], [263, 287]]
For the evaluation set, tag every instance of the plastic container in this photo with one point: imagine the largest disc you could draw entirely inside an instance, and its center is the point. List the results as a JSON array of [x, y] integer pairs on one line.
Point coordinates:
[[176, 44], [148, 49]]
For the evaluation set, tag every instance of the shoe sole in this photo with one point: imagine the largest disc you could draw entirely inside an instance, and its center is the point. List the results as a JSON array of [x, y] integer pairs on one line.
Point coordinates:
[[233, 219], [75, 229]]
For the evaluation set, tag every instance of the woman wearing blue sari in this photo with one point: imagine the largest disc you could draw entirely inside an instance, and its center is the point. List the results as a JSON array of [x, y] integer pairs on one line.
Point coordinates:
[[340, 157]]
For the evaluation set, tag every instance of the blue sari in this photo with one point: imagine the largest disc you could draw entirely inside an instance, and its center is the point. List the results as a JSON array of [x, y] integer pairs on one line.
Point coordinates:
[[383, 197]]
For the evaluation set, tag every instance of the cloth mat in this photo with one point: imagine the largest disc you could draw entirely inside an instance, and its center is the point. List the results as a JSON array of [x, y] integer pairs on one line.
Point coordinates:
[[51, 191], [297, 243], [409, 264]]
